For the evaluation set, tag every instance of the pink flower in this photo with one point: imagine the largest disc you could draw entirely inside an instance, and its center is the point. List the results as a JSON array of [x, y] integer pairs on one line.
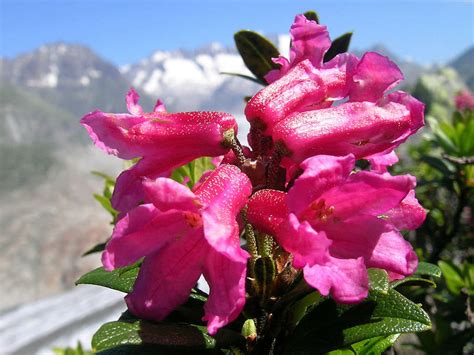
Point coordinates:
[[309, 41], [464, 100], [298, 109], [183, 234], [334, 223], [162, 140], [359, 128]]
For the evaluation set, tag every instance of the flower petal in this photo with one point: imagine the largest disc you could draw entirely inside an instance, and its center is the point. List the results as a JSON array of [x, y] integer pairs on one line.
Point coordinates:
[[167, 194], [379, 162], [158, 133], [266, 209], [226, 279], [309, 41], [409, 215], [360, 128], [345, 279], [223, 195], [374, 239], [128, 191], [374, 75], [300, 87], [368, 193], [140, 232], [167, 276], [321, 173], [132, 103], [300, 239]]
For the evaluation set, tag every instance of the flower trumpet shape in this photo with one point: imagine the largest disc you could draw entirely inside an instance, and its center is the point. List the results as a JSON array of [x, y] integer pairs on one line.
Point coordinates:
[[162, 140], [339, 107], [337, 224], [183, 234]]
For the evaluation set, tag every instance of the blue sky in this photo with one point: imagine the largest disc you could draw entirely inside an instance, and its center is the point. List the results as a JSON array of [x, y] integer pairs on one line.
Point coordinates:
[[127, 31]]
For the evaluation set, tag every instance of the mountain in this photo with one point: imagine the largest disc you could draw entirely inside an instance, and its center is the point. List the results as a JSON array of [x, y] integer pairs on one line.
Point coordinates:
[[69, 76], [464, 64], [193, 80]]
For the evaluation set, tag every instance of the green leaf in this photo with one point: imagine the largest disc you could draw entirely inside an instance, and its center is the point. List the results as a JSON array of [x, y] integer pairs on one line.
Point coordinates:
[[257, 53], [120, 279], [163, 336], [338, 46], [192, 171], [330, 326], [378, 280], [428, 269], [312, 16], [95, 249], [437, 164], [413, 281], [453, 277], [375, 345]]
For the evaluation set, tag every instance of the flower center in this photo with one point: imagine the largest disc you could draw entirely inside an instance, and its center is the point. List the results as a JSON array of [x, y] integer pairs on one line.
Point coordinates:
[[320, 211], [192, 219]]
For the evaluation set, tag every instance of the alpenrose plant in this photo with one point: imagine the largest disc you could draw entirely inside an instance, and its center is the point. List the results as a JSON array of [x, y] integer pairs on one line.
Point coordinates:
[[301, 247]]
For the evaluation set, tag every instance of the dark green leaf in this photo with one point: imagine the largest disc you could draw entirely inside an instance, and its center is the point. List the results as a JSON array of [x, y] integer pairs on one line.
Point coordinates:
[[330, 326], [375, 346], [378, 280], [120, 279], [95, 249], [453, 277], [164, 336], [312, 15], [338, 46], [437, 164], [428, 269], [413, 281], [257, 53]]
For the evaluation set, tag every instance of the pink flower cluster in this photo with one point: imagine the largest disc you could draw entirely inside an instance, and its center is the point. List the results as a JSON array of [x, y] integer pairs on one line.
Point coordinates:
[[464, 100], [298, 183]]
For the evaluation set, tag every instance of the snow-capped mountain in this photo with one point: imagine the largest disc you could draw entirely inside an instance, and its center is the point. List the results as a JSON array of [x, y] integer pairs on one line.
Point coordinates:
[[193, 80], [69, 76]]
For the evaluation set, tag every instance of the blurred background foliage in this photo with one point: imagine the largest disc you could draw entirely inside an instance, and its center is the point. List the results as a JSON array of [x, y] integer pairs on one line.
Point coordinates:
[[442, 159]]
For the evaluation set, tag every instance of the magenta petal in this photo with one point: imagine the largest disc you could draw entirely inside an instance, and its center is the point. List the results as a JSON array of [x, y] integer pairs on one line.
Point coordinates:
[[375, 240], [159, 106], [167, 276], [309, 41], [337, 75], [108, 132], [266, 210], [300, 87], [415, 107], [132, 103], [226, 279], [360, 128], [409, 215], [224, 194], [167, 194], [379, 162], [140, 232], [321, 173], [191, 133], [345, 279], [374, 75], [128, 191], [300, 239], [368, 193]]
